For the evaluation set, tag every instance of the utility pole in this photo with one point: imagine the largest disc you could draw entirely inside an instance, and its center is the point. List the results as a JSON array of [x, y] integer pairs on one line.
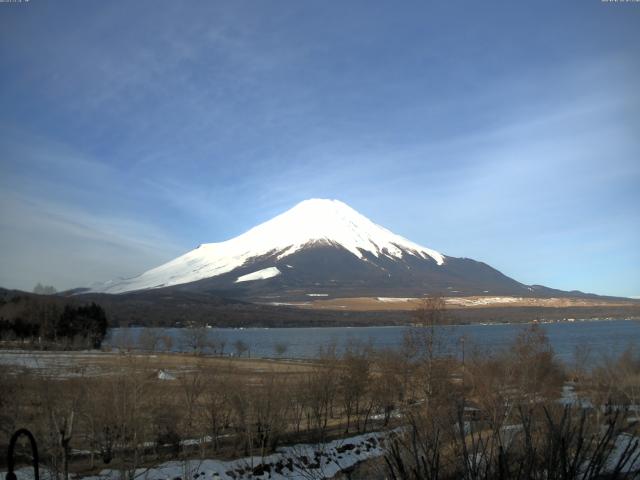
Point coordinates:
[[463, 366]]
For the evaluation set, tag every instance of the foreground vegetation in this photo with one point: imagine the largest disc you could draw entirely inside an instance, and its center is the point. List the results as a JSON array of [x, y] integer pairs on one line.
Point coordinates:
[[516, 413]]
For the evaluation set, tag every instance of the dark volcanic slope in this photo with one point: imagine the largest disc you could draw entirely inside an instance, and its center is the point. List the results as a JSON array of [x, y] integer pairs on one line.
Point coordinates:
[[333, 271]]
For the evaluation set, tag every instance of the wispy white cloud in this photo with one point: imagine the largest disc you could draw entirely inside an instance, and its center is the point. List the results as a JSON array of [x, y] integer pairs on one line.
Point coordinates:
[[68, 246], [67, 219]]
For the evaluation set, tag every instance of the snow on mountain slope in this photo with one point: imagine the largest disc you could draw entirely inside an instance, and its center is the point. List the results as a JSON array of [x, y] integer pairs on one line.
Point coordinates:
[[310, 222], [263, 274]]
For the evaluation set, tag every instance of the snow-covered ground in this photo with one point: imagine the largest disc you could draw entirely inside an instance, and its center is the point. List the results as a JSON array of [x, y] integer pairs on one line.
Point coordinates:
[[621, 443], [298, 462], [473, 301], [395, 299], [288, 304], [59, 364], [68, 364]]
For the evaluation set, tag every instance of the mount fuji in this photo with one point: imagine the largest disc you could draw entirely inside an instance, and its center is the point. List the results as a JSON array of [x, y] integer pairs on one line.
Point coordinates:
[[322, 248]]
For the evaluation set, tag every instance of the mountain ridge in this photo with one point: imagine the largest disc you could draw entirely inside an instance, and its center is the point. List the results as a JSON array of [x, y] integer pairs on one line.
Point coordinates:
[[309, 223], [326, 248]]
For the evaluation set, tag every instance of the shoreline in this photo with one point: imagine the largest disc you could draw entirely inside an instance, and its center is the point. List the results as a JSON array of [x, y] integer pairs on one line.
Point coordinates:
[[260, 344]]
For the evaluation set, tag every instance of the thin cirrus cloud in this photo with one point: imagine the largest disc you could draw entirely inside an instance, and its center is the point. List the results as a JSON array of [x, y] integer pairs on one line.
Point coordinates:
[[70, 247], [66, 220]]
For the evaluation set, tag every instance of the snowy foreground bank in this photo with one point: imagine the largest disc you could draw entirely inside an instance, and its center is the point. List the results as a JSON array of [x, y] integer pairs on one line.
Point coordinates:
[[303, 462], [297, 462]]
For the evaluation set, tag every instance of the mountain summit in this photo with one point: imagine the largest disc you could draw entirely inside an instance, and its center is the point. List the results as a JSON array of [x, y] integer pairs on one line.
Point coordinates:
[[325, 221], [321, 248], [310, 223]]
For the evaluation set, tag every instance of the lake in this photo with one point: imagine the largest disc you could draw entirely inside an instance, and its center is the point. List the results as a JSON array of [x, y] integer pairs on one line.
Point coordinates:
[[603, 337]]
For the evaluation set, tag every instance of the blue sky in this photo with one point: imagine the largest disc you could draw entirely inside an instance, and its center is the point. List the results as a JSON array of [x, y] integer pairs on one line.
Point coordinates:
[[508, 132]]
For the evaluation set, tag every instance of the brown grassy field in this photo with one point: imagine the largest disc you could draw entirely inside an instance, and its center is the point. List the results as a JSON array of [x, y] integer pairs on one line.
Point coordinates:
[[89, 364], [365, 304]]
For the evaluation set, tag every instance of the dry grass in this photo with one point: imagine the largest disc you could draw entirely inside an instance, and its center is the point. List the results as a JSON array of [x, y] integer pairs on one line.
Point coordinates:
[[365, 304], [73, 364]]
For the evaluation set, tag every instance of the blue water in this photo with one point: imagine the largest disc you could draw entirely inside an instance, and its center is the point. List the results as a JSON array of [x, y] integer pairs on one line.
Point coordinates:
[[603, 338]]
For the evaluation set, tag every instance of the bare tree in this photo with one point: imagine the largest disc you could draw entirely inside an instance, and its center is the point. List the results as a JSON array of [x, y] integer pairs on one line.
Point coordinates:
[[269, 411], [424, 341], [387, 389], [128, 403], [167, 342], [62, 403], [240, 347], [354, 385], [536, 373], [321, 389], [192, 386], [280, 348], [217, 342], [216, 403], [149, 340], [195, 339]]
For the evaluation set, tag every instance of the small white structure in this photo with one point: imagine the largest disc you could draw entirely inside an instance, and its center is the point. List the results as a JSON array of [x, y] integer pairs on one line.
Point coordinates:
[[164, 375]]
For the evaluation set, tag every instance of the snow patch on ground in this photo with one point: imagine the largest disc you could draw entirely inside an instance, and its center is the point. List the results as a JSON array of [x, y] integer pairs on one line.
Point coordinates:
[[288, 304], [394, 299], [482, 300], [259, 275], [53, 364], [621, 443], [298, 462]]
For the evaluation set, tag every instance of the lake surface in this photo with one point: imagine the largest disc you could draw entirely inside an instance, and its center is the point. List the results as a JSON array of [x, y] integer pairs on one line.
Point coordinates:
[[603, 337]]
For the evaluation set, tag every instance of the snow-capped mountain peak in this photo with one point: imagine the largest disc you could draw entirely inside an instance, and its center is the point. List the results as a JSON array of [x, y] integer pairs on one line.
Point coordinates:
[[314, 221], [333, 221]]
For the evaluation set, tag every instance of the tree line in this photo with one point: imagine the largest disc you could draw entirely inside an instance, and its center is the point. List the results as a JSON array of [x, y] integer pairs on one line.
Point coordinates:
[[51, 323]]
